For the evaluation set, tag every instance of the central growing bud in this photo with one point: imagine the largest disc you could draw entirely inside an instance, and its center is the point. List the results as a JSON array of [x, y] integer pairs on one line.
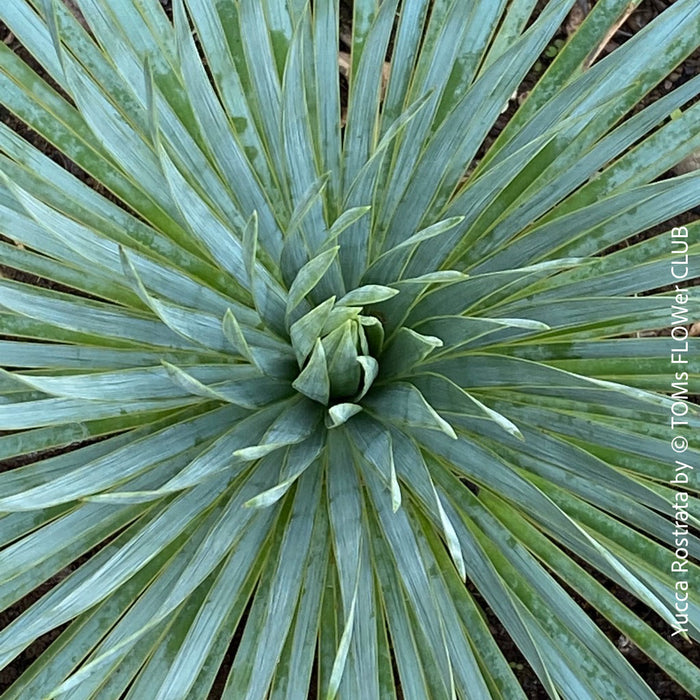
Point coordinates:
[[337, 347]]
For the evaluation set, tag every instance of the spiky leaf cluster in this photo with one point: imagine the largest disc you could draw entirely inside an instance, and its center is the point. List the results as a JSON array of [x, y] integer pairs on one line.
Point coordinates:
[[292, 375]]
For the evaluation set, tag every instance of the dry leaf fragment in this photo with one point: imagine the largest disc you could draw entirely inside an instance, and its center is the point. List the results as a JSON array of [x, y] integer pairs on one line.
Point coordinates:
[[578, 13], [689, 164], [344, 63], [610, 34]]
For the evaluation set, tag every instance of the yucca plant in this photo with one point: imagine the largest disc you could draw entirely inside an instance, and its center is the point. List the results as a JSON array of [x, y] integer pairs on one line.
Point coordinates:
[[304, 388]]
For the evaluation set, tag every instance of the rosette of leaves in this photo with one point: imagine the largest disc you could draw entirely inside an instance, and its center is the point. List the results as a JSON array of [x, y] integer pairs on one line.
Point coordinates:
[[290, 376]]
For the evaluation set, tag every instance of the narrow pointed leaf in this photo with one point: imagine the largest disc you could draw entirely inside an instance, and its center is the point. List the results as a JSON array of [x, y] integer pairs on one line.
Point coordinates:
[[309, 276], [313, 381], [341, 413], [405, 405], [305, 332], [368, 294]]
